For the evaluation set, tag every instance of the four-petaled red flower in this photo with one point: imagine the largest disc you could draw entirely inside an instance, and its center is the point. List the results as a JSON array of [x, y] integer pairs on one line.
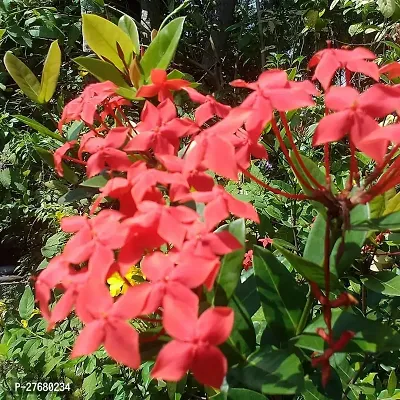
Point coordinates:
[[194, 345], [328, 61], [161, 85]]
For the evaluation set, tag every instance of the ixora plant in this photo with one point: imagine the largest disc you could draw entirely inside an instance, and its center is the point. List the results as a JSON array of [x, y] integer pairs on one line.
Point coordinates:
[[154, 237], [159, 208]]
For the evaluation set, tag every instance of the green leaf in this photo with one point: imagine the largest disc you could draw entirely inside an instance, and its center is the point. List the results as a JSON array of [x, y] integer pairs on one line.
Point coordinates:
[[392, 383], [89, 385], [313, 251], [271, 372], [22, 76], [308, 269], [95, 182], [51, 72], [370, 336], [242, 340], [281, 298], [334, 4], [129, 94], [5, 177], [102, 70], [393, 205], [342, 256], [311, 392], [26, 304], [379, 203], [40, 128], [389, 222], [74, 130], [50, 365], [162, 49], [385, 282], [47, 157], [384, 395], [386, 7], [53, 244], [102, 37], [231, 265], [128, 25]]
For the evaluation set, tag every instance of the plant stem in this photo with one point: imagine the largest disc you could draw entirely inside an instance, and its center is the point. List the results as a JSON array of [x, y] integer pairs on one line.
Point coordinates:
[[274, 190], [285, 151], [306, 312], [296, 152]]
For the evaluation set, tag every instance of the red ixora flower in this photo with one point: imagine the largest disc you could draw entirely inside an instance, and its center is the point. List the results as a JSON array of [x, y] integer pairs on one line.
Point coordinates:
[[209, 107], [356, 115], [272, 91], [106, 323], [328, 61], [85, 106], [161, 85], [159, 129], [194, 345]]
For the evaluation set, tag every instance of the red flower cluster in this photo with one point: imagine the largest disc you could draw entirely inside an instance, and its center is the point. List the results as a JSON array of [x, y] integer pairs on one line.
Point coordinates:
[[155, 185]]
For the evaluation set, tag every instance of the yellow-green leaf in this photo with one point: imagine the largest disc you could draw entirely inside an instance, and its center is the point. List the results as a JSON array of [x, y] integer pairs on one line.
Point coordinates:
[[128, 25], [102, 70], [22, 76], [2, 32], [102, 37], [51, 72], [162, 49], [393, 205]]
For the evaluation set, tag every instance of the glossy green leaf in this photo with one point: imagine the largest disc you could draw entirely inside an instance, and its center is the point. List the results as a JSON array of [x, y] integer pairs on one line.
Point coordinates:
[[247, 293], [378, 204], [281, 298], [384, 395], [310, 392], [231, 265], [22, 76], [312, 272], [344, 253], [271, 372], [102, 70], [370, 336], [51, 72], [26, 304], [385, 282], [129, 94], [47, 157], [128, 25], [162, 49], [95, 182], [393, 205], [392, 383], [386, 7], [242, 340], [39, 128], [2, 32], [102, 37], [389, 222], [313, 251]]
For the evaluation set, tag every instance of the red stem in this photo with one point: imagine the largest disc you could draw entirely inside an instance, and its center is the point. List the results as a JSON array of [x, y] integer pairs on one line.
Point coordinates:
[[274, 190], [379, 168], [296, 151], [75, 160], [286, 153]]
